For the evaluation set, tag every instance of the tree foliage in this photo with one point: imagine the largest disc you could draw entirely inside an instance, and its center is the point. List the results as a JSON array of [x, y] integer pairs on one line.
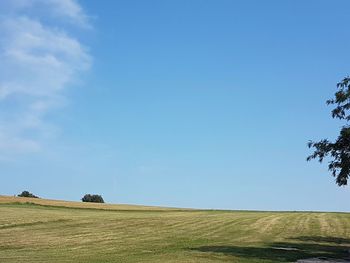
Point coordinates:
[[339, 151], [27, 194], [92, 198]]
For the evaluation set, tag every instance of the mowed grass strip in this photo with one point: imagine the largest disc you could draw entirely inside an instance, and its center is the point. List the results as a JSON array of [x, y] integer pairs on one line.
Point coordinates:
[[36, 233]]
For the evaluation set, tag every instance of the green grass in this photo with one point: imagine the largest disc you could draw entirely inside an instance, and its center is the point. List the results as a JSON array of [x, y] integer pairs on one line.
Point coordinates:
[[44, 233]]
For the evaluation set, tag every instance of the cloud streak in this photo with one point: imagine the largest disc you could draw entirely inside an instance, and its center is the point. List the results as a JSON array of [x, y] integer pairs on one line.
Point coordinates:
[[38, 61], [64, 10]]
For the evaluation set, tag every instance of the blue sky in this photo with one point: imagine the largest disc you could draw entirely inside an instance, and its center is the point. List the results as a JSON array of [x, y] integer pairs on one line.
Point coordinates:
[[205, 104]]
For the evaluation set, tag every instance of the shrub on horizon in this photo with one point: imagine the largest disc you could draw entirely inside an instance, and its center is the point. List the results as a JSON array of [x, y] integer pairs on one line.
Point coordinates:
[[27, 194], [92, 198]]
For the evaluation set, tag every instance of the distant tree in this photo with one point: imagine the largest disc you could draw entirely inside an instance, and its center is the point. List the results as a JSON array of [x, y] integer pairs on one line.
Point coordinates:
[[92, 198], [338, 151], [27, 194]]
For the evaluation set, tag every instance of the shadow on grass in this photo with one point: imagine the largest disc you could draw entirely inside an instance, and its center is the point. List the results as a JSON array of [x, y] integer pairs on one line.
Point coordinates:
[[320, 239], [280, 251]]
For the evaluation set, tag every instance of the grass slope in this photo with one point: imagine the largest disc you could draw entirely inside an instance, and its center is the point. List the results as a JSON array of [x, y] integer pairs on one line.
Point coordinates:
[[51, 231]]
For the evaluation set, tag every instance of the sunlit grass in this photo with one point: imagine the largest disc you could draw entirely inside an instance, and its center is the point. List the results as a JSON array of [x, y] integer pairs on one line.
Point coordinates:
[[59, 232]]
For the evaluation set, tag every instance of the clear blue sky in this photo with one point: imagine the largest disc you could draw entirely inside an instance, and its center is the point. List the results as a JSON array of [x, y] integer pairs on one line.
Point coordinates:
[[205, 104]]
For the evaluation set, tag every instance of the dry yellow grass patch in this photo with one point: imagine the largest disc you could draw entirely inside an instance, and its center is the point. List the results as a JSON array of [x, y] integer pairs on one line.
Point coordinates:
[[72, 204]]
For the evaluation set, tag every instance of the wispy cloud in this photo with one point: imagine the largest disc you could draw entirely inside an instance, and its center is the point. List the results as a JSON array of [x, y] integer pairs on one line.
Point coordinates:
[[38, 61], [67, 10]]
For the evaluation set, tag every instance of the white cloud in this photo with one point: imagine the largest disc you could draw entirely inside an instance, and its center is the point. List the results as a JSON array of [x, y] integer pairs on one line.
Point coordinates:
[[45, 58], [65, 9], [38, 61], [69, 9]]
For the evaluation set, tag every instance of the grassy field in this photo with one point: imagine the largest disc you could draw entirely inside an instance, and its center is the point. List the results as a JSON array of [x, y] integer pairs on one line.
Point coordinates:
[[58, 231]]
